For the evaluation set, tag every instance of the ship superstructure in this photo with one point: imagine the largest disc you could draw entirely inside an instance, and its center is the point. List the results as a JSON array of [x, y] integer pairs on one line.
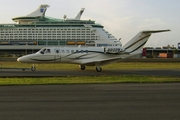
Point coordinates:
[[36, 30]]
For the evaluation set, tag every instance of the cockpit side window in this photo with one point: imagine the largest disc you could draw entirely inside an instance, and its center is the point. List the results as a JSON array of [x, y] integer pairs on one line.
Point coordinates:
[[44, 50]]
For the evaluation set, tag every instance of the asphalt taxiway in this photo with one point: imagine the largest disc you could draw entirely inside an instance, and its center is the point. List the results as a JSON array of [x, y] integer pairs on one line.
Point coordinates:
[[91, 102], [47, 73]]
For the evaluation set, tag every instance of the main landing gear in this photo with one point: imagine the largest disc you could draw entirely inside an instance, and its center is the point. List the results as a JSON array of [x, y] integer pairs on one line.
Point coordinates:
[[98, 68], [82, 67]]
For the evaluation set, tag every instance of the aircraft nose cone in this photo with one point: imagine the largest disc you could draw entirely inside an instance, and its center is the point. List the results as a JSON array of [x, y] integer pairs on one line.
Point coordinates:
[[26, 58], [19, 59], [22, 59]]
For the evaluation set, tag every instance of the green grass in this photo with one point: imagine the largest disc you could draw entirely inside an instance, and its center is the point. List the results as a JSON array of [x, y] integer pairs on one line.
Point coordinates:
[[88, 80], [95, 79], [120, 66]]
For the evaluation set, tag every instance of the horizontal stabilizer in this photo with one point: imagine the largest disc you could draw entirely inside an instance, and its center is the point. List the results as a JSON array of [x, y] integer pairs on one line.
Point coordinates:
[[155, 31]]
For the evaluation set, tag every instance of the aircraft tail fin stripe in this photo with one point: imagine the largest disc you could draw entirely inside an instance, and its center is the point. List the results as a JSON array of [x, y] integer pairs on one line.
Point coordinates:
[[136, 42], [139, 40]]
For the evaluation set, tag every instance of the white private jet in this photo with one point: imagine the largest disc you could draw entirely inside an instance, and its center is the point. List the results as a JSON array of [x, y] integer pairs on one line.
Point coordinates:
[[90, 56]]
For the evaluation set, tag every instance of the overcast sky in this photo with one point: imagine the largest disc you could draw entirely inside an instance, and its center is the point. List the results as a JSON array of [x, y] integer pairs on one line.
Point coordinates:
[[122, 18]]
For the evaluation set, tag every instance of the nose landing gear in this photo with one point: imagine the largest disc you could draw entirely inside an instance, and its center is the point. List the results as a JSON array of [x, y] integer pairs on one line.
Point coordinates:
[[33, 68]]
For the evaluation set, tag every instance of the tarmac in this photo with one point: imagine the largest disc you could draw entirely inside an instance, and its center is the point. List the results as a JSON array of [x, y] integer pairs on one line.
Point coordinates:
[[130, 101], [91, 102]]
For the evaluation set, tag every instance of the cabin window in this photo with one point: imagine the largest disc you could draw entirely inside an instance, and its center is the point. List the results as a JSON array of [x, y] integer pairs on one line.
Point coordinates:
[[57, 51], [72, 51], [67, 51], [48, 51], [63, 51]]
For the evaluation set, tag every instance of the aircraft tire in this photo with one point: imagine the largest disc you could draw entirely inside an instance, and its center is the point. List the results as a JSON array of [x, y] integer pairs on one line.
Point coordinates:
[[33, 69], [82, 67], [98, 69]]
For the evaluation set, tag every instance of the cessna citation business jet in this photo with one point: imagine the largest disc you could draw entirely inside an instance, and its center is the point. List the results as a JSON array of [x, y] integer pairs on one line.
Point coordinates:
[[90, 56]]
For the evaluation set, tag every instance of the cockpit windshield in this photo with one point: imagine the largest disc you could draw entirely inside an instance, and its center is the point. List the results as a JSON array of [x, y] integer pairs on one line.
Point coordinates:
[[45, 51]]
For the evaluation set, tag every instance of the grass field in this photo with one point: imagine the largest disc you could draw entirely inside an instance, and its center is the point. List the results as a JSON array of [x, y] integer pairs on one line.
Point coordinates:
[[120, 65], [93, 80], [88, 80]]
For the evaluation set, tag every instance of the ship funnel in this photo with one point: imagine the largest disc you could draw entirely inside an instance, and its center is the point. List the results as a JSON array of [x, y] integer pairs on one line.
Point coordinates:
[[78, 17], [40, 12]]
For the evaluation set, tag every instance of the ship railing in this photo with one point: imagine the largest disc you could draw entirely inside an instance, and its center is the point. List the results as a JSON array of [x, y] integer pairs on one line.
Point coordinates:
[[7, 25]]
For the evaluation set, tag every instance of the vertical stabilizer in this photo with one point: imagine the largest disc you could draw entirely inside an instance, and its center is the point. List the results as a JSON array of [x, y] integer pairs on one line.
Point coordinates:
[[78, 17], [137, 43], [39, 12]]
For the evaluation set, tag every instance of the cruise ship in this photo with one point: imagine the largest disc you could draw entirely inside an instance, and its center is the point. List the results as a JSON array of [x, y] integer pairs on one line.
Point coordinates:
[[36, 30]]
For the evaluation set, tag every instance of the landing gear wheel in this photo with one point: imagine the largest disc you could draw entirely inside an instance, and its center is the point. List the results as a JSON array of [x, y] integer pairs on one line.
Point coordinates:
[[82, 67], [98, 69], [33, 68]]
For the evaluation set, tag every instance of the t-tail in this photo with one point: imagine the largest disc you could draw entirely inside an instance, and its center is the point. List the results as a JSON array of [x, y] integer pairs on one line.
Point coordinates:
[[135, 45], [40, 12]]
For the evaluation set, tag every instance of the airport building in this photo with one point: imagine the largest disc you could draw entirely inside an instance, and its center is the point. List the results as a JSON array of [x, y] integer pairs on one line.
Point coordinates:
[[161, 52]]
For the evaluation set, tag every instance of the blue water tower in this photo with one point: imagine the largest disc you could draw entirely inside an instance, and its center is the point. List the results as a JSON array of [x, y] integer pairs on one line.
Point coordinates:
[[178, 45]]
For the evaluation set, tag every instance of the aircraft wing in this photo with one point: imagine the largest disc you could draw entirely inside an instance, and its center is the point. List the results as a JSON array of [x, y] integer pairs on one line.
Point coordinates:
[[102, 62]]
